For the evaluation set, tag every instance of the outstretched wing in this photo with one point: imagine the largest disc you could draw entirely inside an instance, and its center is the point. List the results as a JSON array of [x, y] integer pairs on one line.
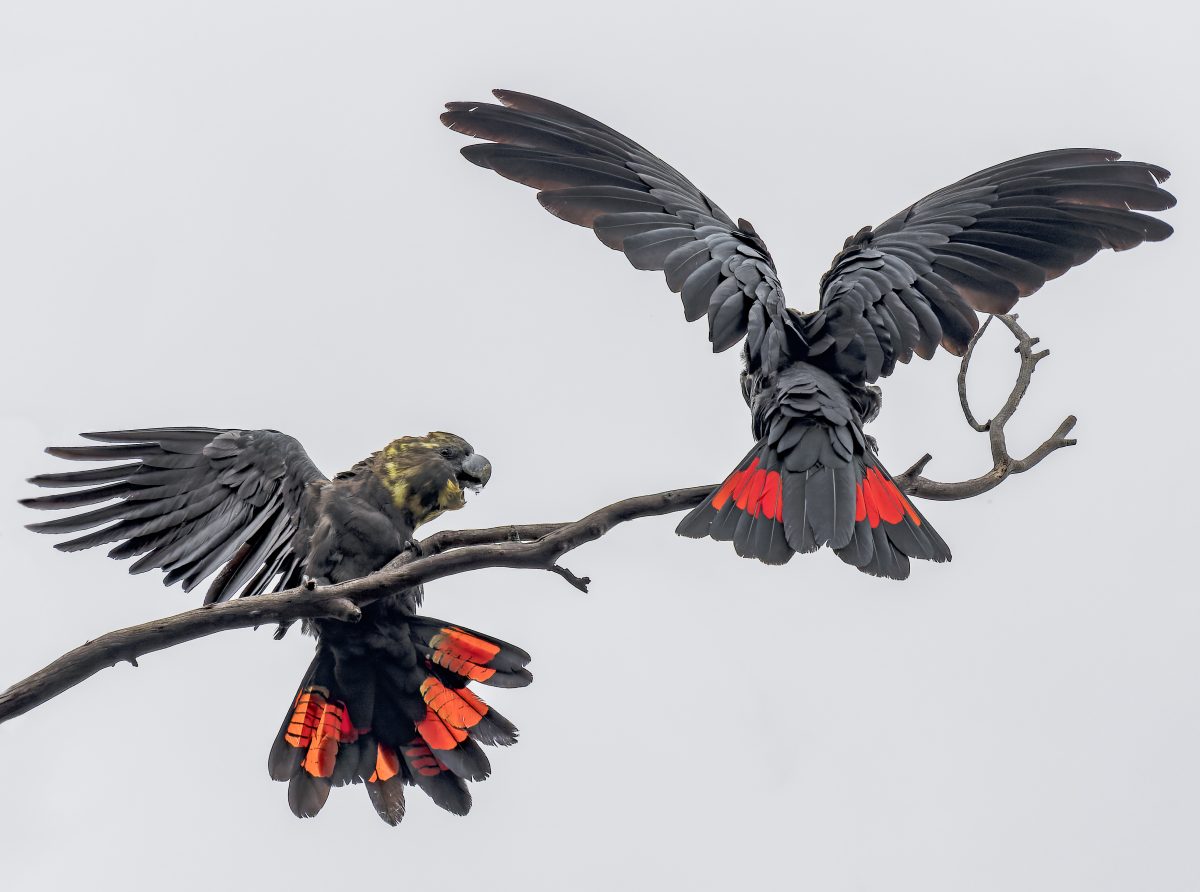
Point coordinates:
[[192, 499], [593, 176], [978, 245]]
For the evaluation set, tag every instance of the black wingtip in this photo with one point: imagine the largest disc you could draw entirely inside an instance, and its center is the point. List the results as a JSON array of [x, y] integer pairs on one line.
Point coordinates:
[[514, 99], [108, 452], [477, 154], [40, 503], [129, 436], [1160, 173], [72, 453]]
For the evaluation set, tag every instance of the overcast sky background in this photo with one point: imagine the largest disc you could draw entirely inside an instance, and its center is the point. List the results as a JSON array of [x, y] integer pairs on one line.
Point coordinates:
[[247, 215]]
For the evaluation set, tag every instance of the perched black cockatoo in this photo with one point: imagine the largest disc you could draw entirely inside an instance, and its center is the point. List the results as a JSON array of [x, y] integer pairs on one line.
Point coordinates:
[[901, 288], [385, 700]]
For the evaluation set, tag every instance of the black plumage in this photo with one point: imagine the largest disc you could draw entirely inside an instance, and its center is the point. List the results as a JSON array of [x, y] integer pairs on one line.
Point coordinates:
[[896, 290], [386, 700]]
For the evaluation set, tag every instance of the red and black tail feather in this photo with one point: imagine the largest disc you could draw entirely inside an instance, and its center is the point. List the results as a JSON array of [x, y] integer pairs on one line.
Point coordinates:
[[450, 716], [746, 509], [812, 487], [470, 654], [371, 718], [306, 748], [888, 529], [385, 785], [432, 776]]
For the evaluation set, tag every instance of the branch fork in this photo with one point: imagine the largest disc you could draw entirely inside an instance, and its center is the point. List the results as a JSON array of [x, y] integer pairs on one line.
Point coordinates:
[[1004, 464]]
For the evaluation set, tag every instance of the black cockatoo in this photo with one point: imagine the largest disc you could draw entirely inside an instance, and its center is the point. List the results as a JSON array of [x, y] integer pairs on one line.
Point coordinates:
[[385, 700], [901, 288]]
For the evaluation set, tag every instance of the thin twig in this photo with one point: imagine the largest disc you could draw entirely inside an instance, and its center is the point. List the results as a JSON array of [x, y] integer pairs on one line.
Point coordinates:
[[962, 378]]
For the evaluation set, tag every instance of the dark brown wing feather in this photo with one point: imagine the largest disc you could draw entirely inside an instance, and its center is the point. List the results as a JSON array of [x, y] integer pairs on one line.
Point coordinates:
[[977, 246], [591, 175], [193, 500]]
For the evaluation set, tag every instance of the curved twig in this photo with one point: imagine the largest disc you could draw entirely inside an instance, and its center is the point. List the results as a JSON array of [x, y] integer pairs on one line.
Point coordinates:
[[1003, 463], [962, 377]]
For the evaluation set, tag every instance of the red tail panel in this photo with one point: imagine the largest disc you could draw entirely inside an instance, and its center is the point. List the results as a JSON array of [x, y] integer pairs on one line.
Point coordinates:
[[463, 653], [421, 759], [879, 499], [754, 490], [387, 764], [450, 714], [319, 726]]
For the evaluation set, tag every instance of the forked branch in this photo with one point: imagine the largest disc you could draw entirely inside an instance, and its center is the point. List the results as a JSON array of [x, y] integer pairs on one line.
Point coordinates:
[[1004, 464], [530, 546]]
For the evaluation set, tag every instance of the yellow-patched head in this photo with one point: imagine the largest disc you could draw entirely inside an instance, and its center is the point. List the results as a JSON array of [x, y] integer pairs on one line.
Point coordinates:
[[428, 475]]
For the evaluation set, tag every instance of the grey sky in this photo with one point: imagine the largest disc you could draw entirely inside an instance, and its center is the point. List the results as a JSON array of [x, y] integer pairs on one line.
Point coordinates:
[[246, 214]]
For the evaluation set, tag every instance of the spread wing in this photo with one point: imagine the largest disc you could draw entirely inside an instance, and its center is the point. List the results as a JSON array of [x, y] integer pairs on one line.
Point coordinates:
[[191, 499], [977, 246], [591, 175]]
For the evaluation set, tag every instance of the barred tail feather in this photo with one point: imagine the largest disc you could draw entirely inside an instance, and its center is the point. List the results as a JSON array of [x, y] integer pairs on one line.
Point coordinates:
[[368, 718], [470, 655]]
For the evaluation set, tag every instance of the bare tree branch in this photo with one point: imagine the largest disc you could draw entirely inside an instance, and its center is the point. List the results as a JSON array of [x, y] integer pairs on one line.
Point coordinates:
[[529, 546], [452, 552], [1003, 463]]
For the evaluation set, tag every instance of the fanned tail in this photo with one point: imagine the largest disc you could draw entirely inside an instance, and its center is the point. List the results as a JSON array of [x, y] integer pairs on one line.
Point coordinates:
[[376, 718], [803, 489]]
